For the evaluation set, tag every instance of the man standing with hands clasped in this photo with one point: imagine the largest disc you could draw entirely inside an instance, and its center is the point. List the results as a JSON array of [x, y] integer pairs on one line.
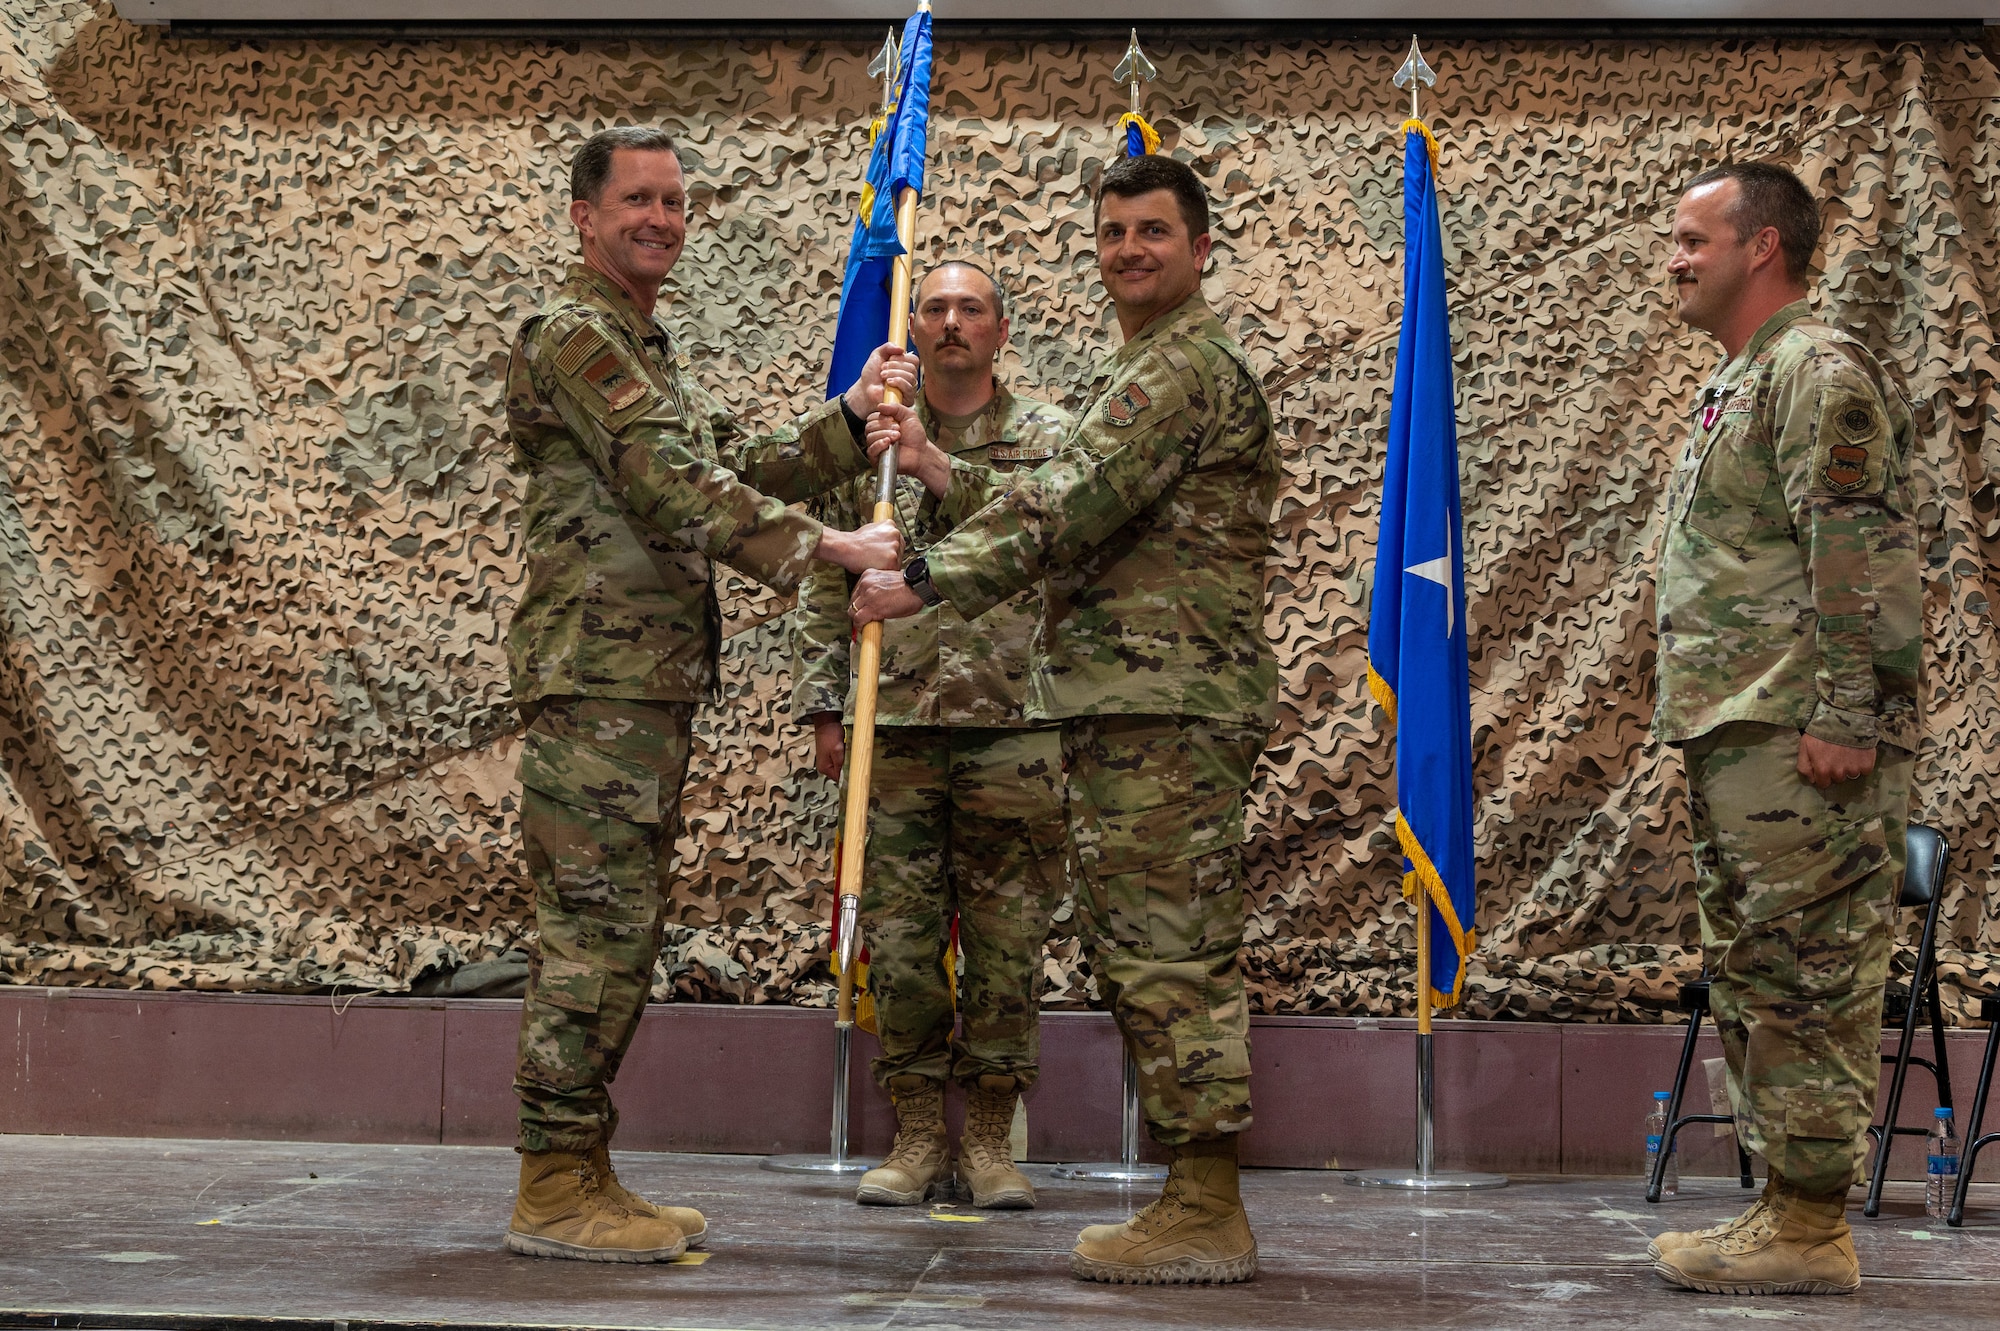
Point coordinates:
[[1791, 626], [1151, 525], [965, 819], [632, 491]]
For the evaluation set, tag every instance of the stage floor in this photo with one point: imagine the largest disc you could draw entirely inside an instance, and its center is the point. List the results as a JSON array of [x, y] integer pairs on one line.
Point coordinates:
[[227, 1236]]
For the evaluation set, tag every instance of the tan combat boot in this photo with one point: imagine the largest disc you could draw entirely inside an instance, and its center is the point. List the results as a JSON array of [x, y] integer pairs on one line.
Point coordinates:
[[985, 1153], [563, 1211], [1687, 1238], [690, 1222], [1801, 1246], [910, 1175], [1196, 1233]]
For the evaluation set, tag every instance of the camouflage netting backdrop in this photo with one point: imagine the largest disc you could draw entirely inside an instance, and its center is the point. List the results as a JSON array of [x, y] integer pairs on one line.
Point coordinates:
[[257, 538]]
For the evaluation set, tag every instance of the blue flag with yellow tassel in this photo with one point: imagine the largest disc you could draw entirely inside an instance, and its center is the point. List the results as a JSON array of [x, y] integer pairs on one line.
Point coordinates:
[[1141, 139], [899, 141], [1417, 649]]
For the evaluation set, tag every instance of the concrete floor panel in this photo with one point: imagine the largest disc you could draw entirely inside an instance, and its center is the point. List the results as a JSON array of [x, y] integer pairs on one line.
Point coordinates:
[[230, 1236]]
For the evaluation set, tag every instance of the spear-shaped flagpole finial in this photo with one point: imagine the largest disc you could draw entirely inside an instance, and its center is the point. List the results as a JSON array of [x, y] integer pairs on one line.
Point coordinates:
[[1413, 73], [888, 63], [1135, 69]]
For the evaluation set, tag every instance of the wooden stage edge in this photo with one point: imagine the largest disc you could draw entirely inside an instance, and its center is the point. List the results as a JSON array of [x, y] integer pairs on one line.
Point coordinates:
[[1330, 1092]]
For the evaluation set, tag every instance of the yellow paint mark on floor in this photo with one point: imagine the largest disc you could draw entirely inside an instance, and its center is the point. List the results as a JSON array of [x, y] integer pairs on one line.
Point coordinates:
[[961, 1219], [690, 1259]]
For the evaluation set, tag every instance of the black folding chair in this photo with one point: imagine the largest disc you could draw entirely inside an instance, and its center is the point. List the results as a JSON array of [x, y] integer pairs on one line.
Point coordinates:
[[1923, 886], [1694, 998], [1989, 1012]]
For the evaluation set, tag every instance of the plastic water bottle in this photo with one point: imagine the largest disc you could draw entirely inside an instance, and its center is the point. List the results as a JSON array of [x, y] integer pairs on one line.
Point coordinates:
[[1656, 1135], [1941, 1169]]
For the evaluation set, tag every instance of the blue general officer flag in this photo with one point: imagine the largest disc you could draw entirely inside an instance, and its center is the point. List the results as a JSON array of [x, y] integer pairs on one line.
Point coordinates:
[[900, 144], [1416, 624]]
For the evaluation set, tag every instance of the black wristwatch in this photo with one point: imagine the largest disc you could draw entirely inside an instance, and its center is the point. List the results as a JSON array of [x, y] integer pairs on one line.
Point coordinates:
[[917, 577]]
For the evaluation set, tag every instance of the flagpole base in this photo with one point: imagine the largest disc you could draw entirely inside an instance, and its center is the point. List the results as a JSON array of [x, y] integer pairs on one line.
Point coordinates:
[[1111, 1171], [817, 1164], [1446, 1181]]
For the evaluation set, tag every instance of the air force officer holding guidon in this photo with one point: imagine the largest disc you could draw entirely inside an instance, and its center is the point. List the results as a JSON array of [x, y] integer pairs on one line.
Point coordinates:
[[633, 488], [1151, 526]]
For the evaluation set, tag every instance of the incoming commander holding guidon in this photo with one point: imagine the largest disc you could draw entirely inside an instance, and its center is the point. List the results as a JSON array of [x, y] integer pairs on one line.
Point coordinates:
[[1151, 525]]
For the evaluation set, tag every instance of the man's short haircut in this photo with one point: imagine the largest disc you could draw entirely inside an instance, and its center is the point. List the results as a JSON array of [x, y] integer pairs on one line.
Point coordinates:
[[1129, 177], [1001, 302], [591, 167], [1772, 196]]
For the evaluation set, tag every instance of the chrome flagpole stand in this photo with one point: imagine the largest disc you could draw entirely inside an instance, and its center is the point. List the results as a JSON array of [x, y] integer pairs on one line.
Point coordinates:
[[1127, 1168], [1425, 1178], [836, 1162]]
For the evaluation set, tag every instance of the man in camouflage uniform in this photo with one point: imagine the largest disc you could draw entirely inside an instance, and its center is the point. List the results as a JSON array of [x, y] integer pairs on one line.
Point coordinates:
[[966, 815], [1791, 623], [631, 493], [1151, 526]]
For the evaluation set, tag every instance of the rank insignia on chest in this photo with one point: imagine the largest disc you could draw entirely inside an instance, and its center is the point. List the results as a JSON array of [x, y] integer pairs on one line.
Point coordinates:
[[1126, 404]]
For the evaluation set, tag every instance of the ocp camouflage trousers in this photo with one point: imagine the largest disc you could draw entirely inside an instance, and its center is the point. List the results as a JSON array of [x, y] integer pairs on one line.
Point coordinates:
[[1796, 886], [600, 806], [963, 820], [1156, 814]]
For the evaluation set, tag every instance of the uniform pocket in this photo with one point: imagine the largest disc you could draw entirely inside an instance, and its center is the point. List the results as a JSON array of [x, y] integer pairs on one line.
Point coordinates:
[[1824, 1115], [1129, 842], [1813, 872], [1728, 485], [585, 778], [1211, 1058], [574, 986]]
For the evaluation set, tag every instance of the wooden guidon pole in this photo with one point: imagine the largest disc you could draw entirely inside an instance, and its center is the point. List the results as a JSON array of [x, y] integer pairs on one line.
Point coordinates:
[[868, 666]]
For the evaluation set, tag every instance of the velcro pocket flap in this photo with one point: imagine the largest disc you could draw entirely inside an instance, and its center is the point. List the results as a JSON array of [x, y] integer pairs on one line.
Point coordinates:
[[587, 778], [1127, 842], [1212, 1058], [1823, 1114], [1813, 872], [572, 985]]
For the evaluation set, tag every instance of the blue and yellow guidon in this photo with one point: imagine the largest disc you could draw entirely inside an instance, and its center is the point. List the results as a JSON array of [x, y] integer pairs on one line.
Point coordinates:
[[1417, 662]]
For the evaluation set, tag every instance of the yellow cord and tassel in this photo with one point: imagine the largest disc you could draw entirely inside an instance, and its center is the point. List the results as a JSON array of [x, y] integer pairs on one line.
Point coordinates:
[[1147, 134], [1429, 138]]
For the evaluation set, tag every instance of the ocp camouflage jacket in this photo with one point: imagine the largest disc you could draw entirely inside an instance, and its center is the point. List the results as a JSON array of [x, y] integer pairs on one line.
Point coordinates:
[[937, 669], [1151, 524], [632, 489], [1789, 589]]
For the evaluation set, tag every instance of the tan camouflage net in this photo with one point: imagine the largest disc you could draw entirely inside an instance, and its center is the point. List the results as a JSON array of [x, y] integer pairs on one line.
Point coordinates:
[[256, 540]]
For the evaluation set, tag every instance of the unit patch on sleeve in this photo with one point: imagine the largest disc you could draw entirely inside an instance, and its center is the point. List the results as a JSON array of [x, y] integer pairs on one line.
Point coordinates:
[[607, 375], [1845, 460], [1126, 404]]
